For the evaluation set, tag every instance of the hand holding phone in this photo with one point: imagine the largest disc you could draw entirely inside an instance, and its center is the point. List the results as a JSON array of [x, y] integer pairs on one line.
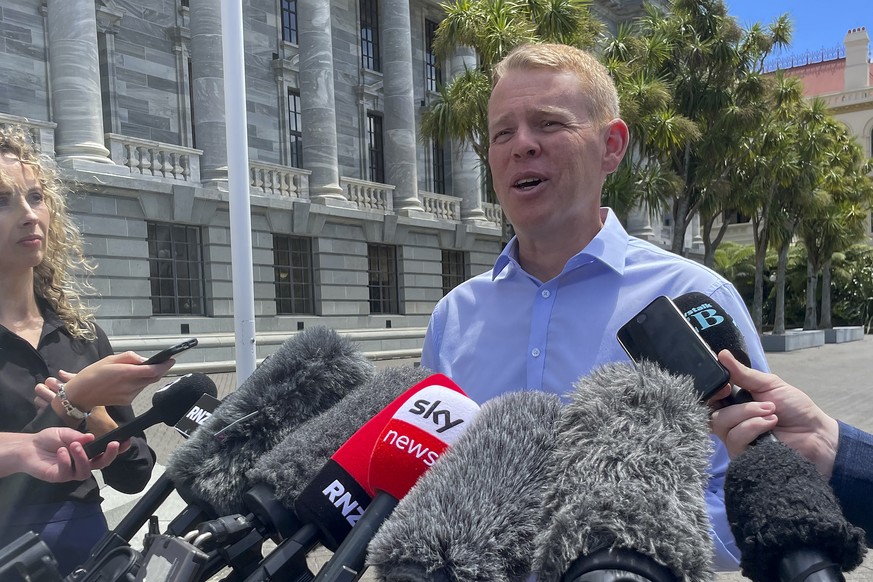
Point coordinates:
[[661, 334], [168, 353]]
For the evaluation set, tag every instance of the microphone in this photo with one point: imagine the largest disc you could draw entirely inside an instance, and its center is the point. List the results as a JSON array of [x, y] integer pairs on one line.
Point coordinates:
[[717, 328], [626, 483], [420, 431], [332, 501], [169, 405], [309, 373], [785, 519], [475, 513]]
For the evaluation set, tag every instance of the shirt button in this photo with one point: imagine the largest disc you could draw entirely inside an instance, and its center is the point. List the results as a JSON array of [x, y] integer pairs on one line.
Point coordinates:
[[546, 293], [535, 352]]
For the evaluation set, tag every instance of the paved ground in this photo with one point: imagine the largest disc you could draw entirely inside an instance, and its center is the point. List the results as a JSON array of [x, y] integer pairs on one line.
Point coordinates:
[[838, 377]]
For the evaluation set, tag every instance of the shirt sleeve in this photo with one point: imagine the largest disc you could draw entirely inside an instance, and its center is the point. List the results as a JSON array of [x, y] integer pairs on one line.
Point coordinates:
[[852, 477], [131, 471]]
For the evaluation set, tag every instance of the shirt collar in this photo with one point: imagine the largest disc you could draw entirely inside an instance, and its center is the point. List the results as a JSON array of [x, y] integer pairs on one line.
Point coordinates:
[[608, 247]]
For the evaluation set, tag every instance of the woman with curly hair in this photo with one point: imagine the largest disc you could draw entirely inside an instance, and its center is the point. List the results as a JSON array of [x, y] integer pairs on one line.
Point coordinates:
[[47, 334]]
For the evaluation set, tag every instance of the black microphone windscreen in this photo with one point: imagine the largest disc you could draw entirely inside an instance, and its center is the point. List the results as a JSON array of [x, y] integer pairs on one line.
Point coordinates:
[[777, 502], [292, 463], [474, 514], [714, 324], [308, 374], [175, 399], [629, 471]]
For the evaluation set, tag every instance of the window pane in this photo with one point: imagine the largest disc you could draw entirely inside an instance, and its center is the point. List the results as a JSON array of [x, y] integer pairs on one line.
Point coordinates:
[[293, 275], [175, 271]]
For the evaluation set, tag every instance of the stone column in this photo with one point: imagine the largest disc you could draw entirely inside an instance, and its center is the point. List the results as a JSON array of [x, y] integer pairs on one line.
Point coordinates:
[[207, 83], [317, 102], [75, 79], [467, 176], [399, 115]]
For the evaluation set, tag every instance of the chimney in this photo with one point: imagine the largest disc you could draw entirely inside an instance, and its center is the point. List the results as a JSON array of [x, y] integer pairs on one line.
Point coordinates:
[[857, 73]]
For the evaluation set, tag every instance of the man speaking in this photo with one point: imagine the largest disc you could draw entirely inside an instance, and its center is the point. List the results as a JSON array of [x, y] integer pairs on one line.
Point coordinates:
[[548, 311]]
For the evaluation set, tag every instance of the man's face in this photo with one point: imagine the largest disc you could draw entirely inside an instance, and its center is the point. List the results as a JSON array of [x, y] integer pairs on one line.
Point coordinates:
[[548, 157]]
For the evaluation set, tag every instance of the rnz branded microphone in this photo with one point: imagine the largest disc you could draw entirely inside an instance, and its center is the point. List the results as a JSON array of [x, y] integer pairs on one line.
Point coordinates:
[[169, 405], [626, 484], [331, 502], [420, 431], [786, 521], [474, 515], [308, 374]]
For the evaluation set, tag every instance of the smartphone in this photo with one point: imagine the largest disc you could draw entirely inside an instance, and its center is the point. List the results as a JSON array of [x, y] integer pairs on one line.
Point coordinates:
[[168, 353], [661, 334]]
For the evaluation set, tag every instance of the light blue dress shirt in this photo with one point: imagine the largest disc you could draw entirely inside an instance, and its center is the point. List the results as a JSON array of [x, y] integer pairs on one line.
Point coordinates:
[[505, 330]]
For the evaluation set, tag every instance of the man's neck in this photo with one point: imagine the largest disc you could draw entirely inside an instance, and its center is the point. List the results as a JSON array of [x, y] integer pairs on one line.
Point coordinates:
[[544, 257]]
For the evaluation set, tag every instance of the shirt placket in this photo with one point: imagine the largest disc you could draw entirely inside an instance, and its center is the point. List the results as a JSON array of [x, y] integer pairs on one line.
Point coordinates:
[[543, 305]]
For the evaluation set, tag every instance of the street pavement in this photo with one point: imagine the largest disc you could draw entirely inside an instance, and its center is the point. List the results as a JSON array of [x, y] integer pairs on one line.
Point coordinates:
[[838, 377]]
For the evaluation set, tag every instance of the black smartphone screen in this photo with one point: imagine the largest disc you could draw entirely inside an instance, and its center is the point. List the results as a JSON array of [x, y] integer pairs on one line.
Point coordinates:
[[661, 334], [168, 353]]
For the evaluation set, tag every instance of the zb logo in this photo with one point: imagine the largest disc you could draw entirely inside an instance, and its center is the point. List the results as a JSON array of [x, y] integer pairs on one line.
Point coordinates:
[[706, 318]]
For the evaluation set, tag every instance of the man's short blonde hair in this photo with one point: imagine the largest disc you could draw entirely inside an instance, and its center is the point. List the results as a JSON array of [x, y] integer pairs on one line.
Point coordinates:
[[593, 77]]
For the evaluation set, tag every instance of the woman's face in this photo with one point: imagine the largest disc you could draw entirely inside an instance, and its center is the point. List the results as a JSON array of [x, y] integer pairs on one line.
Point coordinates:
[[24, 217]]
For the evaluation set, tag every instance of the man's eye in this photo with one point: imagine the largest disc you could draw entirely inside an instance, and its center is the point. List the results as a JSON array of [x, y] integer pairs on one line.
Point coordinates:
[[500, 135]]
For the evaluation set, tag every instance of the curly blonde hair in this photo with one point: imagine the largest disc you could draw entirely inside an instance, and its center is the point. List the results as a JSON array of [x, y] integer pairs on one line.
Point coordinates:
[[54, 279]]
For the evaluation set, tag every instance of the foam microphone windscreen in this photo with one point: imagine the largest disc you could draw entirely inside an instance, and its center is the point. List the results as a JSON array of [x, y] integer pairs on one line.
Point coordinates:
[[473, 516], [308, 374], [169, 405], [714, 324], [292, 464], [339, 493], [777, 504], [629, 472]]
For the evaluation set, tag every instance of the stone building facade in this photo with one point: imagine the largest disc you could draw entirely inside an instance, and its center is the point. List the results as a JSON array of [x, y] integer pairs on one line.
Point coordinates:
[[356, 223]]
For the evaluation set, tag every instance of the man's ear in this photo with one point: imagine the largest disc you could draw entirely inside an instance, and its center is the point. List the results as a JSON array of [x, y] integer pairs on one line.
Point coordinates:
[[617, 136]]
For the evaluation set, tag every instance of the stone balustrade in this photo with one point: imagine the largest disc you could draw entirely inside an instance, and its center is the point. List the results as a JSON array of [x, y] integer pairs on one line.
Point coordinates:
[[153, 158], [441, 206], [849, 98], [493, 213], [42, 132], [368, 195], [276, 180]]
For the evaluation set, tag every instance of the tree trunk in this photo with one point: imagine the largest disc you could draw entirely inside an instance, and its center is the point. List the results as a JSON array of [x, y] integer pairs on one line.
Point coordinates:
[[760, 258], [680, 211], [779, 319], [809, 320], [709, 253], [826, 321]]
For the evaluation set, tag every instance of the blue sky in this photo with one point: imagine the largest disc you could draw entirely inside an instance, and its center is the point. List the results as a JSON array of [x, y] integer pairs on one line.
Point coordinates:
[[816, 25]]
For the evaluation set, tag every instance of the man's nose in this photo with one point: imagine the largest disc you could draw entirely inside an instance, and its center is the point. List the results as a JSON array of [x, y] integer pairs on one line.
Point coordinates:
[[526, 144]]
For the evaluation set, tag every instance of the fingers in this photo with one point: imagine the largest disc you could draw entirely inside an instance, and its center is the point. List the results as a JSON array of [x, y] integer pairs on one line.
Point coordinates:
[[43, 396], [123, 446], [751, 380], [81, 466], [65, 376], [738, 425], [109, 455]]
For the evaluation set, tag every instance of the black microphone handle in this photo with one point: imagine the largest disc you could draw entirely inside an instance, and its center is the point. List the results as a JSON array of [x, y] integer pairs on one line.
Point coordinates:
[[617, 565], [287, 562], [149, 418], [348, 562], [808, 565]]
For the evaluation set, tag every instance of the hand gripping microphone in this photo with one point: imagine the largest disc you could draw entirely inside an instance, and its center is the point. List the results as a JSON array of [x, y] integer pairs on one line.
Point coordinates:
[[169, 405], [626, 485], [420, 431], [718, 330], [761, 486], [331, 502], [786, 521], [474, 515], [308, 374]]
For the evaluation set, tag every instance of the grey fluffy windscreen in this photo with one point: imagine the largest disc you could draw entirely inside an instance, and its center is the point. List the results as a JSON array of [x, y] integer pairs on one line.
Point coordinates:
[[290, 466], [776, 502], [308, 374], [629, 471], [473, 516]]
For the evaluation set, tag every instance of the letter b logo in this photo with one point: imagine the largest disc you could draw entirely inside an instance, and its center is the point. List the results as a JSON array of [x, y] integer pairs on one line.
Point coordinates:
[[707, 318]]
